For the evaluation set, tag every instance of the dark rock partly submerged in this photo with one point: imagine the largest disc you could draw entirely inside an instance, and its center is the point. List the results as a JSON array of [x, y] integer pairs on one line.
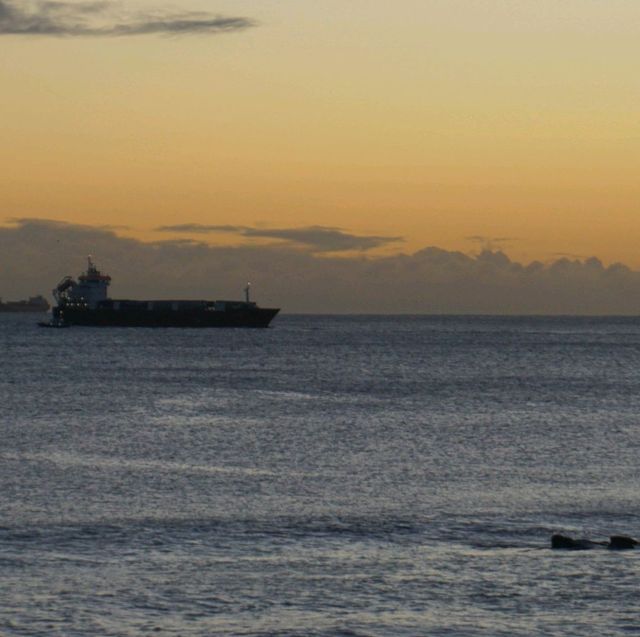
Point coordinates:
[[616, 542], [559, 541], [621, 542]]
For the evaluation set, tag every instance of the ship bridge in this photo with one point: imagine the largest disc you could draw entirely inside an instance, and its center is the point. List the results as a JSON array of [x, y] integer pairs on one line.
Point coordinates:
[[89, 290]]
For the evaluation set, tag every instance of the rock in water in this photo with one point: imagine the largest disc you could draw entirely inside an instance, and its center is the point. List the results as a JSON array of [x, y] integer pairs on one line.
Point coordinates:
[[559, 541], [621, 542]]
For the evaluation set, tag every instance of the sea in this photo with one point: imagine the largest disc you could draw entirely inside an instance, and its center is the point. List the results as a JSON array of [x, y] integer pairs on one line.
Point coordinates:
[[329, 476]]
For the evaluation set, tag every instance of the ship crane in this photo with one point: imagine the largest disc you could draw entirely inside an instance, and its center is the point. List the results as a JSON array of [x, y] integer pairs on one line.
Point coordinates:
[[60, 289]]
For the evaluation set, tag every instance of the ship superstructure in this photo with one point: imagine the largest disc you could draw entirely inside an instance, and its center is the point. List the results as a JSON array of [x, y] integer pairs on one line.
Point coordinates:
[[87, 292], [86, 302]]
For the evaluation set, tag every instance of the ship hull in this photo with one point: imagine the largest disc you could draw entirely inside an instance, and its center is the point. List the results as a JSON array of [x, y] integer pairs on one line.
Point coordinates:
[[140, 317]]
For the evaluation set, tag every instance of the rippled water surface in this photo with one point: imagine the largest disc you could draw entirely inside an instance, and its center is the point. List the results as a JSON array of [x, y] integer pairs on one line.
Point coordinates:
[[328, 476]]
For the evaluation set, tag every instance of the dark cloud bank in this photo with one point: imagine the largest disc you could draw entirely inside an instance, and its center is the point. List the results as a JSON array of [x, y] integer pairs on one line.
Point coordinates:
[[35, 254], [101, 19]]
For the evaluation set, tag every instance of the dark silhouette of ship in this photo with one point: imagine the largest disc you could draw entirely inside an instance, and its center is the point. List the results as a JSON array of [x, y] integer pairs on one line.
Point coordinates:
[[85, 302], [33, 304]]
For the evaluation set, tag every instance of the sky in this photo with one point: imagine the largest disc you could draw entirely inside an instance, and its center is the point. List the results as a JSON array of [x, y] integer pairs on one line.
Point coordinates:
[[335, 130]]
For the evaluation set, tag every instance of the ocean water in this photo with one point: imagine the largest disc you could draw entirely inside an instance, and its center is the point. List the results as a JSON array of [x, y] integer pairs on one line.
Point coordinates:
[[329, 476]]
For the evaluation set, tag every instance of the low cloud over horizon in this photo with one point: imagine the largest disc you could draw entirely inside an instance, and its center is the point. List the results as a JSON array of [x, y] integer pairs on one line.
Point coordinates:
[[37, 253], [102, 19], [316, 238]]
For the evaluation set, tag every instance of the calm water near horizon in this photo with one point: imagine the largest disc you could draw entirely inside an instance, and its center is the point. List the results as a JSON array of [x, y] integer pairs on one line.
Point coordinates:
[[330, 476]]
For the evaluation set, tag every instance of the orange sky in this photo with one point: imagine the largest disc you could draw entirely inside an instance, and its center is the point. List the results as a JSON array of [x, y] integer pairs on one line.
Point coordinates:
[[435, 120]]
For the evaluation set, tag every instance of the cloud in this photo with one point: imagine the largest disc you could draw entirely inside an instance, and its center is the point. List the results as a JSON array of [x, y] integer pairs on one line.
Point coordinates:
[[37, 253], [46, 223], [323, 239], [198, 228], [100, 19], [318, 238]]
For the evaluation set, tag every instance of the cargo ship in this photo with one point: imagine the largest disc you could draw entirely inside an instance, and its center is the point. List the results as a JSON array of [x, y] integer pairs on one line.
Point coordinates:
[[85, 302], [34, 304]]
